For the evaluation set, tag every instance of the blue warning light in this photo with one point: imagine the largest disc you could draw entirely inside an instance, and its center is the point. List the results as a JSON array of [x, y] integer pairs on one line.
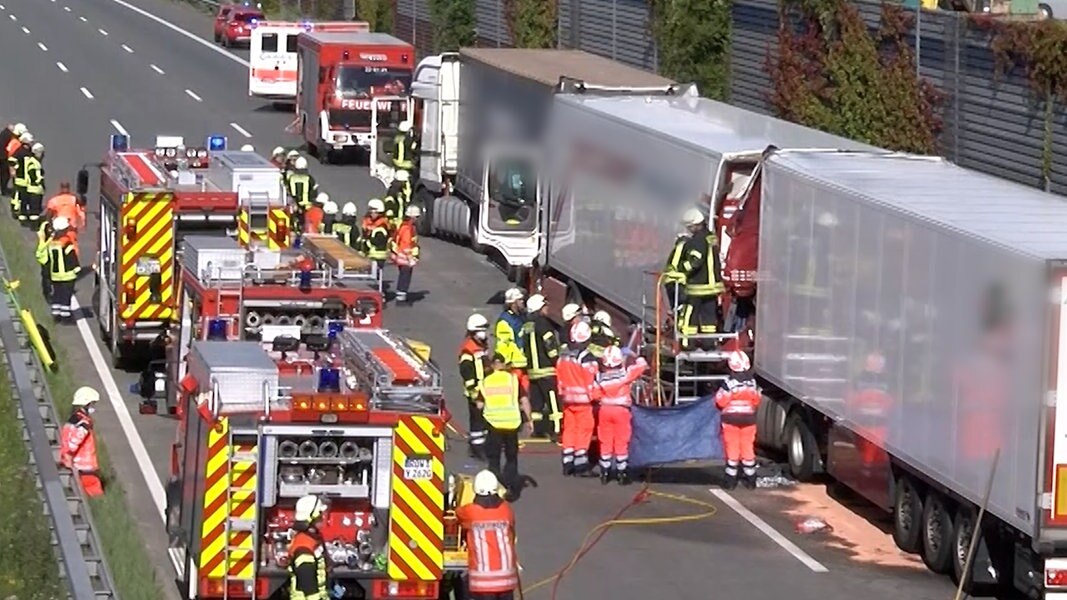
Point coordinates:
[[216, 329], [216, 143], [330, 380], [120, 142], [333, 328]]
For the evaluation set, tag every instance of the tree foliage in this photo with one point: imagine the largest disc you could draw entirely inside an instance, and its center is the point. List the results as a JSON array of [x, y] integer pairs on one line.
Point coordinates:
[[454, 24], [693, 37], [532, 23], [378, 13], [831, 73]]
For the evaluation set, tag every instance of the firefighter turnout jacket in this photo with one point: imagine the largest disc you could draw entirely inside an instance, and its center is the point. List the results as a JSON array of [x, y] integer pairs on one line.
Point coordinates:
[[376, 234], [700, 264], [34, 172], [602, 337], [63, 259], [491, 561], [472, 366], [500, 392], [307, 568], [508, 340], [302, 188], [540, 344], [347, 231]]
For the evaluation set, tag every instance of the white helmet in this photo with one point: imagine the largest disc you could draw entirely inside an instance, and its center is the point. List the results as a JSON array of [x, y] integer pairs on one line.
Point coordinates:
[[412, 212], [403, 176], [376, 205], [60, 223], [404, 127], [693, 216], [84, 396], [277, 152], [485, 483], [612, 357], [349, 209], [300, 163], [513, 295], [329, 207], [18, 129], [580, 332], [248, 148], [292, 154], [322, 198], [37, 149], [309, 508], [535, 303], [477, 322], [738, 362], [26, 138], [602, 317], [570, 311]]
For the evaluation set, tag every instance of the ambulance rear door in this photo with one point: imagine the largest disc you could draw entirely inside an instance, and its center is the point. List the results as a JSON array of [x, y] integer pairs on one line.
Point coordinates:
[[272, 62]]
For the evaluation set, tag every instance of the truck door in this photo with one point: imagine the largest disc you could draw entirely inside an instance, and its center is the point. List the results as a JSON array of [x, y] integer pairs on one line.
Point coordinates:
[[387, 113], [146, 268], [510, 203]]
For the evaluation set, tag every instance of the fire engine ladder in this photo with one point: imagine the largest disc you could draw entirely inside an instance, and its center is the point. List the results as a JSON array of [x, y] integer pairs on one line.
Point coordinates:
[[389, 367], [228, 289], [257, 206], [241, 551], [679, 375]]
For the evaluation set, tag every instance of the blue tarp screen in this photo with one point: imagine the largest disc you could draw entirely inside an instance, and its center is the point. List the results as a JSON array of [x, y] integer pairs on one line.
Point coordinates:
[[677, 433]]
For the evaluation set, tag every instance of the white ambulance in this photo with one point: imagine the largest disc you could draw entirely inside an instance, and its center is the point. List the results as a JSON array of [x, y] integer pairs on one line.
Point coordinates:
[[272, 56]]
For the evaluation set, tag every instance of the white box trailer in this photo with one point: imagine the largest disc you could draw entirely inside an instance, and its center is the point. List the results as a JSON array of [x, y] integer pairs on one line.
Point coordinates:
[[947, 285]]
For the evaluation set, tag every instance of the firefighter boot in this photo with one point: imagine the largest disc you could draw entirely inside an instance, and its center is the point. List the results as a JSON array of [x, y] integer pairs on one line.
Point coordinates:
[[585, 471], [568, 469], [605, 475], [749, 481], [729, 482], [623, 477]]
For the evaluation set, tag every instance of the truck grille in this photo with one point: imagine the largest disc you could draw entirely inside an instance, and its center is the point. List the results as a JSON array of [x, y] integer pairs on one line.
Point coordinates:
[[350, 119]]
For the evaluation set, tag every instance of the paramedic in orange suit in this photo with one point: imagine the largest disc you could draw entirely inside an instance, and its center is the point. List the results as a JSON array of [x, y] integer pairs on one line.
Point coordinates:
[[65, 204], [77, 442], [737, 402], [868, 407], [615, 378], [576, 372]]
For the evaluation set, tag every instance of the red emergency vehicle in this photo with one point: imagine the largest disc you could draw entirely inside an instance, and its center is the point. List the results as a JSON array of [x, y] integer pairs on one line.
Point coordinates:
[[339, 74]]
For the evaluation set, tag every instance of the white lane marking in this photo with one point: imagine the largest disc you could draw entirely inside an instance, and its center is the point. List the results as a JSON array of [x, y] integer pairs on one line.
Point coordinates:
[[766, 529], [119, 128], [25, 30], [157, 69], [180, 31], [241, 130], [2, 7], [66, 8], [102, 32], [84, 20], [127, 48], [87, 93], [140, 453], [193, 95], [13, 17], [42, 47], [62, 67]]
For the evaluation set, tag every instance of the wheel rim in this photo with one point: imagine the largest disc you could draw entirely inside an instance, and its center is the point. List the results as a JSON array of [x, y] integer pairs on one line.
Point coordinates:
[[906, 511], [796, 447], [963, 541], [935, 528]]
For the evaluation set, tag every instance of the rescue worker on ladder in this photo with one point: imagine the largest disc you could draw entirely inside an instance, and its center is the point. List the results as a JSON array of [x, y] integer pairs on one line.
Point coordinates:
[[65, 204], [17, 163], [77, 442], [44, 240], [329, 216], [472, 363], [673, 277], [738, 400], [302, 189], [541, 345], [314, 214], [403, 148], [64, 267], [307, 554], [376, 233], [603, 335], [576, 372], [346, 229], [30, 206], [505, 408], [404, 252], [9, 142], [616, 376], [489, 523], [700, 265]]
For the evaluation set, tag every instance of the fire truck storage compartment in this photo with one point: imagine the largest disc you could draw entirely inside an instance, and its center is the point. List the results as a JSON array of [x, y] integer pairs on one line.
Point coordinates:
[[255, 179], [243, 376], [214, 257]]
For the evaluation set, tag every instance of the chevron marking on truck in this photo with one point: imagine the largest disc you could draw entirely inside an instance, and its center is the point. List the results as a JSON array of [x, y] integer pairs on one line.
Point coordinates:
[[277, 220], [241, 505], [416, 533], [152, 216]]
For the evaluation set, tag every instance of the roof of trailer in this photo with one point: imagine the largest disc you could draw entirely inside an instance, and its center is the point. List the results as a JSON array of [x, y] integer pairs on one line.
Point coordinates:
[[708, 125], [1009, 214], [354, 37], [547, 66]]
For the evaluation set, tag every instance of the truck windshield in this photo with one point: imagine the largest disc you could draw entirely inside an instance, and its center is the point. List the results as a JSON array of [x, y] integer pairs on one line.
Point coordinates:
[[366, 81], [512, 192]]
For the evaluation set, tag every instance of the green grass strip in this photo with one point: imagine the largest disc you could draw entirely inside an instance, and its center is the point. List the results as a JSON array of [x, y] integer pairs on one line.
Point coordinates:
[[131, 571]]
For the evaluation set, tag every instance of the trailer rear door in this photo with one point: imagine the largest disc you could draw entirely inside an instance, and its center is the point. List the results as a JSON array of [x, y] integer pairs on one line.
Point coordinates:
[[146, 242]]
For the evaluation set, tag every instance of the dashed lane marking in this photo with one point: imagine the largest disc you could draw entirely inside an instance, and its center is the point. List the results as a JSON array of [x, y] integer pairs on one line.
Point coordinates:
[[127, 48], [66, 8], [87, 93], [102, 32], [62, 67], [26, 30], [192, 36], [157, 69], [42, 47], [13, 17], [768, 531], [83, 19], [119, 128], [193, 95], [241, 130]]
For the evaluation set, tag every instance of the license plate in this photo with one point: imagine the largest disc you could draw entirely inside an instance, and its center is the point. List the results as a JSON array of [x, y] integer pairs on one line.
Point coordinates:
[[418, 469], [147, 266]]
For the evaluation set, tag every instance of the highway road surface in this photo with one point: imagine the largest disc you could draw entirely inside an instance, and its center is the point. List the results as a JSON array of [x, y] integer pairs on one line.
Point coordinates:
[[80, 71]]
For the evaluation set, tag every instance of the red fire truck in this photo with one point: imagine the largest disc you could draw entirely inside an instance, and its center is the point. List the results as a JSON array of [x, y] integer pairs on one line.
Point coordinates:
[[150, 199], [339, 76], [354, 416], [230, 292]]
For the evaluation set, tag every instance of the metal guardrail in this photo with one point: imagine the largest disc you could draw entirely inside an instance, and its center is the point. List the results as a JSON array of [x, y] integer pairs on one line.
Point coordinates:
[[77, 547]]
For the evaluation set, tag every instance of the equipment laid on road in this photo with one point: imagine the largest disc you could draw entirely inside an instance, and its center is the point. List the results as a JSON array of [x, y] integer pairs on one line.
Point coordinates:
[[485, 189], [149, 199], [356, 418], [355, 90], [228, 292], [272, 55]]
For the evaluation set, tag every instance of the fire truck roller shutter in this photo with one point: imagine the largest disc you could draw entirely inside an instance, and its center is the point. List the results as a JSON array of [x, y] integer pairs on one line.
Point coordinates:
[[416, 528], [146, 257]]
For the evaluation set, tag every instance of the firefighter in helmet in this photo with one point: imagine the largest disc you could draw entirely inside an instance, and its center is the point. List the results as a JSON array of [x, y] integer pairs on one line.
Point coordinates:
[[307, 554]]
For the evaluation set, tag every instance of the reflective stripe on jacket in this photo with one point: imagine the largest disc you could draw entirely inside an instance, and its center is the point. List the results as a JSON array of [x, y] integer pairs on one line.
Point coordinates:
[[490, 547], [404, 246], [376, 237], [305, 551], [576, 378], [63, 260], [738, 399], [615, 384], [508, 342], [471, 366]]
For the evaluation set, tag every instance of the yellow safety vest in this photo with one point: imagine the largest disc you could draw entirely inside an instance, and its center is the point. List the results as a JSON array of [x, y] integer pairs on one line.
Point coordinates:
[[34, 176], [57, 257], [343, 231], [401, 160], [500, 392], [300, 188]]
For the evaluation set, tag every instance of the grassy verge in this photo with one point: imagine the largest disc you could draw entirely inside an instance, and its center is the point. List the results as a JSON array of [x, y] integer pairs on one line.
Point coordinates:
[[28, 569], [131, 569]]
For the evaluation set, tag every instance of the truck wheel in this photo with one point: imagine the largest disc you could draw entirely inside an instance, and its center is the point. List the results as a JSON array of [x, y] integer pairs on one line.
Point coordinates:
[[801, 448], [939, 534], [472, 231], [961, 546], [424, 200], [907, 515]]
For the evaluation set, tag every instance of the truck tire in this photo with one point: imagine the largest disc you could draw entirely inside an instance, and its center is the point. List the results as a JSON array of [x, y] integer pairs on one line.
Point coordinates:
[[939, 534], [425, 200], [961, 546], [472, 230], [801, 448], [907, 515]]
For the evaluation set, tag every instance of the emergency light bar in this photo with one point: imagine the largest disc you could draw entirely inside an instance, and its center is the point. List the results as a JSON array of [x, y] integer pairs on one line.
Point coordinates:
[[216, 143], [120, 142]]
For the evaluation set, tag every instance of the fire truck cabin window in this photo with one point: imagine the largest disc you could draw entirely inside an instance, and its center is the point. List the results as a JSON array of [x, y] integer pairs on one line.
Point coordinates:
[[364, 81], [290, 43]]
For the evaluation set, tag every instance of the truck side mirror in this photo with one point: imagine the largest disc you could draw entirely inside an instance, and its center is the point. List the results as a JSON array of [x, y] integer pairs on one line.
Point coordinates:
[[83, 182]]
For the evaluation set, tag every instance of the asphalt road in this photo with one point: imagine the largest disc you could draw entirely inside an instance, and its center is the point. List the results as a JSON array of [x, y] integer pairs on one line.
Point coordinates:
[[91, 68]]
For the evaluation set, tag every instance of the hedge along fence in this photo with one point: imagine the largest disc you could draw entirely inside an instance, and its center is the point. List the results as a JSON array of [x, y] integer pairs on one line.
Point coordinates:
[[693, 38], [833, 74], [532, 23]]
